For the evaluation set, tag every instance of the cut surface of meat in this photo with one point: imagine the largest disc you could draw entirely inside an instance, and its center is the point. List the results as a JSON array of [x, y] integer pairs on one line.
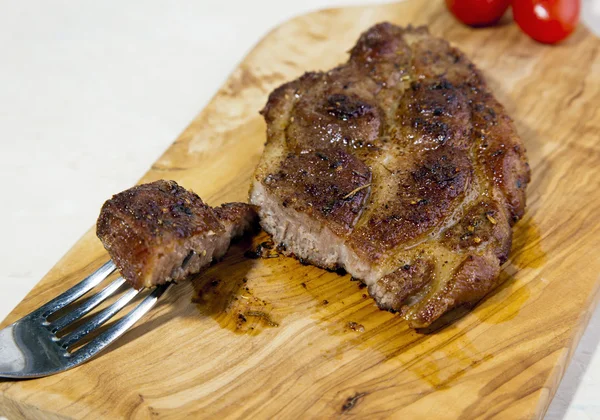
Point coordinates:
[[161, 232], [398, 166]]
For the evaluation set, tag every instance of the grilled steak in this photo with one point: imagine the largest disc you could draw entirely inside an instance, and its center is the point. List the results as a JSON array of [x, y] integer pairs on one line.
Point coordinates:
[[160, 232], [398, 166]]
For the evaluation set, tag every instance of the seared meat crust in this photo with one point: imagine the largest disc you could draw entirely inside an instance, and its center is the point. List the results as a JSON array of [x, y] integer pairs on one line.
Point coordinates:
[[399, 166], [161, 232]]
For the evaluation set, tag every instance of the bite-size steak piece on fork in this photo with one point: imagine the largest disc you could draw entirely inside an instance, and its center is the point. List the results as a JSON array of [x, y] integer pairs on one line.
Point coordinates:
[[398, 166], [161, 232]]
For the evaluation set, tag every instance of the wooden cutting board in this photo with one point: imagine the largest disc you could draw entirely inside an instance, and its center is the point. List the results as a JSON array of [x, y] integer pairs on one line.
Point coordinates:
[[262, 338]]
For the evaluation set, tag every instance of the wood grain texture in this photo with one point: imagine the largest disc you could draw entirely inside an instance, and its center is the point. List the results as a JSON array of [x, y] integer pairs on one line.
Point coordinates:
[[296, 353]]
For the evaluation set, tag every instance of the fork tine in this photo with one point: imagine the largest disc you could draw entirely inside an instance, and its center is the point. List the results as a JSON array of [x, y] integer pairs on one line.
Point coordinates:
[[80, 311], [98, 319], [115, 331], [78, 290]]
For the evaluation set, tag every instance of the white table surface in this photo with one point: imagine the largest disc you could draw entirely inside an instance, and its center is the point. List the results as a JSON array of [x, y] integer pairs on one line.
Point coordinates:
[[92, 92]]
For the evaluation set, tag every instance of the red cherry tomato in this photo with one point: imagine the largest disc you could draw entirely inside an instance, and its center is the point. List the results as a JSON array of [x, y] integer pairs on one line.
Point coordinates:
[[478, 12], [547, 21]]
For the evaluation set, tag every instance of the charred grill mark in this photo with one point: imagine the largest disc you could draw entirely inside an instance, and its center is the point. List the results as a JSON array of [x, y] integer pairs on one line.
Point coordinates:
[[442, 172], [344, 108]]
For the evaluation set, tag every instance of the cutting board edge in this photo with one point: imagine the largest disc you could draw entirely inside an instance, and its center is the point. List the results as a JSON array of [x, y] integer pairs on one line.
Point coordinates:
[[560, 370]]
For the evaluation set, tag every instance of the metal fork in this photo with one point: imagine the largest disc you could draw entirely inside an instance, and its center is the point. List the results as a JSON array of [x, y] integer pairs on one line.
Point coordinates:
[[30, 347]]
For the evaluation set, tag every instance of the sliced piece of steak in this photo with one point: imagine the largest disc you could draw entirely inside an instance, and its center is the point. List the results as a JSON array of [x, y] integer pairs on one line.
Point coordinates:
[[161, 232]]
